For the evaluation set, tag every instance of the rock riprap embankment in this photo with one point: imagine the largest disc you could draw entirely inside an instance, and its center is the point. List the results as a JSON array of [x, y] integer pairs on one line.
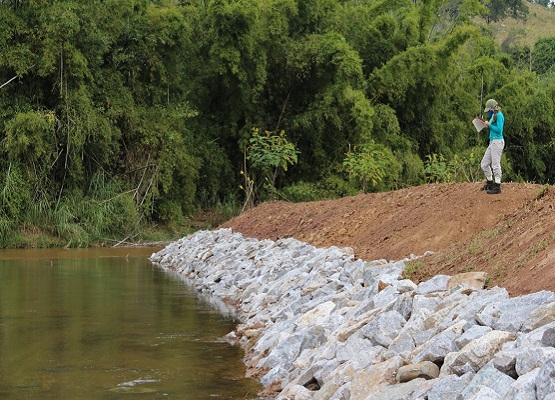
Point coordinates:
[[320, 324]]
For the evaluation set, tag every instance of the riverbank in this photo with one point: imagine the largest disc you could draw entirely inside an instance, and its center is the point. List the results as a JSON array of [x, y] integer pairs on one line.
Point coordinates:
[[316, 323], [149, 235], [510, 236]]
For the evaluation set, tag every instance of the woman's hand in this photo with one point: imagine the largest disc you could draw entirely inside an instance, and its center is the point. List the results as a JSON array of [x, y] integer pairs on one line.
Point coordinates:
[[486, 123]]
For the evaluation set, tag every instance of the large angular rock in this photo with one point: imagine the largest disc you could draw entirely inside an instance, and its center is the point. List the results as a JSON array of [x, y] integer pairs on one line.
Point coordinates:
[[360, 351], [505, 361], [543, 315], [449, 387], [296, 392], [401, 391], [473, 333], [524, 388], [463, 305], [548, 337], [511, 315], [439, 346], [482, 393], [545, 381], [433, 285], [371, 380], [475, 280], [488, 377], [532, 357], [475, 354], [317, 315], [384, 328]]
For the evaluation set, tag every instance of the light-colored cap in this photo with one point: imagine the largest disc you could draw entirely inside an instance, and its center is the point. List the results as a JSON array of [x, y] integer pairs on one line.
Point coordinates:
[[491, 104]]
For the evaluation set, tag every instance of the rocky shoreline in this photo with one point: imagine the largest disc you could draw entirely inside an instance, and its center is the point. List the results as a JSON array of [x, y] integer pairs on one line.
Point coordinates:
[[319, 324]]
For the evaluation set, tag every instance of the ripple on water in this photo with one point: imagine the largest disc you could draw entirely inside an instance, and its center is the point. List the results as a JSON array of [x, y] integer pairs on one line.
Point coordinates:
[[131, 386]]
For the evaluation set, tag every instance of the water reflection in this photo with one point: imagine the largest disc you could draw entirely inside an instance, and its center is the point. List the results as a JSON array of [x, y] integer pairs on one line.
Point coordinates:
[[105, 323]]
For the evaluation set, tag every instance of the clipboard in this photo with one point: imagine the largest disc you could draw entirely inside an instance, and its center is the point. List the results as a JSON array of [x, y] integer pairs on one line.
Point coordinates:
[[478, 124]]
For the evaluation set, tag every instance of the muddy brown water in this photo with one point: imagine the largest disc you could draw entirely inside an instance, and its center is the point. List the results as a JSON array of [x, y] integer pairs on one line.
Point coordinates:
[[107, 324]]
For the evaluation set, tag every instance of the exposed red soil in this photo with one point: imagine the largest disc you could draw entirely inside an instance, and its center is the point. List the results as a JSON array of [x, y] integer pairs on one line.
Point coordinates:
[[511, 236]]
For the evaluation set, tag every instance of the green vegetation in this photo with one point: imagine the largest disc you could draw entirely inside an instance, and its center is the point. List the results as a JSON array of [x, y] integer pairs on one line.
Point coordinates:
[[542, 191], [370, 164], [411, 268], [477, 242], [268, 154], [122, 116], [537, 248]]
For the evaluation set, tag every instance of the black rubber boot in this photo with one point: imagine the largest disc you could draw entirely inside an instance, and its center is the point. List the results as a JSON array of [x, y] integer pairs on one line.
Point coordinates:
[[487, 186], [495, 188]]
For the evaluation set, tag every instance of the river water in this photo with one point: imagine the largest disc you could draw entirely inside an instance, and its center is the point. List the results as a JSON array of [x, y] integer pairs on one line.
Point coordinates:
[[107, 324]]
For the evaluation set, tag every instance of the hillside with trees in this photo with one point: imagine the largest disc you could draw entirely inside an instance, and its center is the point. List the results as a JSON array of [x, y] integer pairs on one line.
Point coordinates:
[[120, 114]]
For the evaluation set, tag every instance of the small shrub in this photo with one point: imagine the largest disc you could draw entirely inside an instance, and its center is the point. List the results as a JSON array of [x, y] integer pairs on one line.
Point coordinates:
[[368, 164], [228, 208], [437, 169], [170, 211], [537, 248], [334, 186], [412, 172], [411, 268], [466, 166], [542, 191], [303, 191]]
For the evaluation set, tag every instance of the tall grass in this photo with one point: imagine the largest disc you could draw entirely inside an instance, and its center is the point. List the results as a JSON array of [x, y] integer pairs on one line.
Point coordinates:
[[102, 213], [105, 212]]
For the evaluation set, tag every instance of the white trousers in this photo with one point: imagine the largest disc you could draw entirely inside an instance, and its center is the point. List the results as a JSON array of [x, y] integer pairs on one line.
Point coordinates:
[[491, 163]]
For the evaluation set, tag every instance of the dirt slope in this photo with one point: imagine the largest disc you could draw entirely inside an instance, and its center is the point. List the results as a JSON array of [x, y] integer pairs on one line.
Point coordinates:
[[511, 236]]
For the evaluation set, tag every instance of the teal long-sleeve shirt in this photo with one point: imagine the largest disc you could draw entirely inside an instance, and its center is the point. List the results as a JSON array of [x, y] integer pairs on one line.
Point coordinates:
[[496, 129]]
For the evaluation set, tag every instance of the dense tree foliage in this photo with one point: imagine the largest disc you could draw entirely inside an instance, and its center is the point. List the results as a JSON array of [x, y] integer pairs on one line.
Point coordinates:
[[500, 9], [120, 112]]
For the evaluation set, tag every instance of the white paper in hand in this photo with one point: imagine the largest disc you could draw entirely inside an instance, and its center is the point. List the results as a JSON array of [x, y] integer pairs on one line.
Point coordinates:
[[478, 124]]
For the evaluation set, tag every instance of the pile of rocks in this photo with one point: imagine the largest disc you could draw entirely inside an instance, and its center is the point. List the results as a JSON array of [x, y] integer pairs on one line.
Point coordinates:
[[322, 325]]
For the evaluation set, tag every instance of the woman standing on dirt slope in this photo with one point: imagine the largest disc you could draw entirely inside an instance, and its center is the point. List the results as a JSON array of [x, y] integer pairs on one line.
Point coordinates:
[[492, 157]]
